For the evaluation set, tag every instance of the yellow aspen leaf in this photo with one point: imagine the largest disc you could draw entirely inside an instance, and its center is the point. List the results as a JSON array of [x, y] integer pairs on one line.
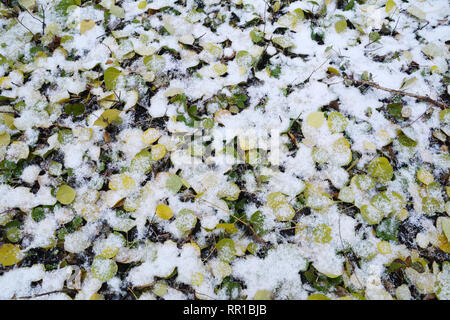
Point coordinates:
[[389, 5], [65, 194], [424, 176], [157, 152], [8, 120], [315, 119], [142, 5], [5, 138], [228, 227], [151, 135], [86, 25], [384, 247], [220, 68], [197, 279], [10, 254], [107, 117], [333, 71], [164, 212], [263, 295], [340, 26], [318, 296]]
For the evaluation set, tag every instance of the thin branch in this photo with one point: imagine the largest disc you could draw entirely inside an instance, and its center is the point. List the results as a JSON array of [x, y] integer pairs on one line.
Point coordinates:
[[315, 70], [132, 292], [45, 294], [240, 220], [24, 26], [400, 92]]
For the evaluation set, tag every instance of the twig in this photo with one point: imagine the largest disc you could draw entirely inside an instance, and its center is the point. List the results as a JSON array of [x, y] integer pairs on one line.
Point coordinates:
[[400, 92], [252, 230], [43, 20], [146, 285], [240, 220], [24, 26], [44, 294], [132, 292], [315, 70], [210, 253], [396, 24]]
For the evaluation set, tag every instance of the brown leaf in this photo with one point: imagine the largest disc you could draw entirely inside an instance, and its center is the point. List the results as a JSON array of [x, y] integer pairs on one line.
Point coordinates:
[[106, 137], [54, 44]]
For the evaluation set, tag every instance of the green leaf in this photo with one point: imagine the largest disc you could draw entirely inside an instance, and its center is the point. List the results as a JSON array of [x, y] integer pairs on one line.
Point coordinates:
[[13, 232], [446, 227], [256, 35], [155, 63], [395, 109], [322, 234], [174, 183], [337, 122], [444, 116], [407, 82], [38, 214], [117, 11], [226, 250], [257, 221], [65, 194], [395, 265], [10, 254], [110, 77], [381, 169], [389, 5], [228, 227], [430, 205], [388, 229], [65, 136], [107, 117], [141, 162], [27, 3], [416, 12], [283, 41], [371, 214], [208, 123], [374, 36], [103, 269], [74, 109], [406, 141], [63, 5], [186, 220], [275, 72], [350, 5], [5, 138], [8, 120], [317, 296], [340, 26]]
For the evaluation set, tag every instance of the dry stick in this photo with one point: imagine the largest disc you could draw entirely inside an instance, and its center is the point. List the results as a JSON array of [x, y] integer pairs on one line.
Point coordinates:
[[43, 19], [252, 230], [209, 255], [24, 26], [132, 292], [35, 18], [315, 70], [403, 93], [240, 220], [44, 294]]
